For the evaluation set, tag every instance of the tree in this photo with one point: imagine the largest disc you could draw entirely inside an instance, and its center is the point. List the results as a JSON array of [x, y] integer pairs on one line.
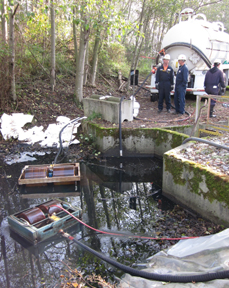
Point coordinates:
[[12, 51], [84, 37], [95, 58], [53, 52], [4, 22], [74, 35]]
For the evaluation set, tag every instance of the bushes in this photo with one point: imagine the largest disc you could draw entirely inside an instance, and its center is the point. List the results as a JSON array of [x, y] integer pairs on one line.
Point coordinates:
[[112, 58]]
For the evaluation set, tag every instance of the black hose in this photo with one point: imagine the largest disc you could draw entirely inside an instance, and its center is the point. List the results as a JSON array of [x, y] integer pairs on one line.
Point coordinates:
[[60, 140], [206, 141], [155, 276], [143, 83], [193, 47], [186, 112], [120, 125]]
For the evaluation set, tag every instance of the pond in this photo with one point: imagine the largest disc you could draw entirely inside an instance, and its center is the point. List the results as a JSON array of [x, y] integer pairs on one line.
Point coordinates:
[[116, 196]]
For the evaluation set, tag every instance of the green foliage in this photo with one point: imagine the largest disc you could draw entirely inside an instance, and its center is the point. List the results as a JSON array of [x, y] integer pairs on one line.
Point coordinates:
[[112, 58], [89, 141], [94, 115], [144, 66]]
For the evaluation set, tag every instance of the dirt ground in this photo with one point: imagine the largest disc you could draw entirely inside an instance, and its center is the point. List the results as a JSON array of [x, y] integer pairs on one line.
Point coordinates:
[[36, 98]]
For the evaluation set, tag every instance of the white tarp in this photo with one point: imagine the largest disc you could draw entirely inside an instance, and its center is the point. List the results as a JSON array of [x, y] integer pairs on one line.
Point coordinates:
[[201, 255]]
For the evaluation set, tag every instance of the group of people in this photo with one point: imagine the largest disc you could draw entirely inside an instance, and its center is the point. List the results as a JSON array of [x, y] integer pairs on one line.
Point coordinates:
[[213, 83]]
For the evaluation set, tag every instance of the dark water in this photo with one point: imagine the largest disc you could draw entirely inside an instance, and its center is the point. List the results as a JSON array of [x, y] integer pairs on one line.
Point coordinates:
[[114, 196]]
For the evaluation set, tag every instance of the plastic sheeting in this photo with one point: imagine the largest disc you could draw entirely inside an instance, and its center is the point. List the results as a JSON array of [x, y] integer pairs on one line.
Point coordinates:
[[12, 127], [188, 257]]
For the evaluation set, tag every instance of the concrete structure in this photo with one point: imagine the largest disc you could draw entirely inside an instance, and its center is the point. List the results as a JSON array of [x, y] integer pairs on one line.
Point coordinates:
[[137, 142], [196, 186], [108, 108], [192, 185]]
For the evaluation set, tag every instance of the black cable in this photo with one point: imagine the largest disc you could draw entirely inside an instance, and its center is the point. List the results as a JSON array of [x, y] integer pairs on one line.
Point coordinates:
[[154, 276]]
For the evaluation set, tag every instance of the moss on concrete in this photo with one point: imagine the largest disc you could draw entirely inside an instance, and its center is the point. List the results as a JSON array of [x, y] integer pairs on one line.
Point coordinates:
[[101, 132], [217, 186], [159, 135], [174, 167]]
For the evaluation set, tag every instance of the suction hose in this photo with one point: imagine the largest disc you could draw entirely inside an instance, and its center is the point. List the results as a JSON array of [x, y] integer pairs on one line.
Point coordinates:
[[143, 83], [148, 275], [206, 141], [60, 140]]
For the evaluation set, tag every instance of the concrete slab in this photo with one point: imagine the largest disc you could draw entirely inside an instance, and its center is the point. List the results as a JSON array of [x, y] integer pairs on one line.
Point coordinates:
[[108, 108]]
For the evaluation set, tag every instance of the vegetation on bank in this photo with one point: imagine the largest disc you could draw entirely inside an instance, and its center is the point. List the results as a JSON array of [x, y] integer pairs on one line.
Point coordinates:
[[57, 39]]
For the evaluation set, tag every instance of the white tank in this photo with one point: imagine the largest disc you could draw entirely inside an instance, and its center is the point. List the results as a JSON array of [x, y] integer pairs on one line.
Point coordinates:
[[201, 41]]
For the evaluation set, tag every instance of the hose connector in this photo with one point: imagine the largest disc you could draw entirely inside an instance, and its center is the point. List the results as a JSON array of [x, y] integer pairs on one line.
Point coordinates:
[[65, 234]]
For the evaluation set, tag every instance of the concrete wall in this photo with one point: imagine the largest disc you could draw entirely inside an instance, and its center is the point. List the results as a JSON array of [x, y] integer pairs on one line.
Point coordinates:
[[108, 107], [196, 186], [137, 142]]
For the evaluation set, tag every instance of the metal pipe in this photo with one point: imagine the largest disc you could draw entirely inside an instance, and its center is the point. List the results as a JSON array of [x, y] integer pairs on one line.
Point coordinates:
[[120, 125]]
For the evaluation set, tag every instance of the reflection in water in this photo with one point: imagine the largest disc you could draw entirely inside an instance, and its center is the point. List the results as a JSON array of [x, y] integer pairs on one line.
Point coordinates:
[[112, 199]]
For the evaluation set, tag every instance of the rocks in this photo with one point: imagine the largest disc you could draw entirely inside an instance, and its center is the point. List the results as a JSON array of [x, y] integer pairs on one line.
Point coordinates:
[[208, 155]]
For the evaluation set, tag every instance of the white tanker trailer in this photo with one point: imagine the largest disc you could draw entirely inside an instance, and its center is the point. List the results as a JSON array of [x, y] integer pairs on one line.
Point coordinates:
[[202, 42]]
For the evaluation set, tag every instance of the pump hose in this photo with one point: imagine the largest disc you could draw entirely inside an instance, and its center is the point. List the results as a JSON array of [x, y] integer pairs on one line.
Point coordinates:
[[206, 141], [143, 83], [148, 275], [60, 140]]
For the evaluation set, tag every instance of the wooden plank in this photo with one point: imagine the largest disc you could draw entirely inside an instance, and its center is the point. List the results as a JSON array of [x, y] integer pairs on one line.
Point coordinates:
[[45, 195]]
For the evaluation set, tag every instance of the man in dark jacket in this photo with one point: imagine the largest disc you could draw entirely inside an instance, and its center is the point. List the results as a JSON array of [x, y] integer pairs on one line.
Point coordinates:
[[181, 85], [214, 82], [164, 83]]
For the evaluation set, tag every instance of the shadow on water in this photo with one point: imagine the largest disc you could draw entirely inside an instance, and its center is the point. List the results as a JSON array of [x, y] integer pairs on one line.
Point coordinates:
[[118, 196]]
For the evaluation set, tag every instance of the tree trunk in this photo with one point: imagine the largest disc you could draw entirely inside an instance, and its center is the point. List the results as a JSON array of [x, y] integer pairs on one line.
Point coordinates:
[[74, 35], [134, 59], [145, 25], [12, 54], [84, 34], [53, 52], [4, 22], [95, 60], [86, 66]]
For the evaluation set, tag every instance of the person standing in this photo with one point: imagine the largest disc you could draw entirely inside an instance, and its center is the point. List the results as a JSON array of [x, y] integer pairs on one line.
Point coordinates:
[[181, 85], [164, 83], [213, 83]]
